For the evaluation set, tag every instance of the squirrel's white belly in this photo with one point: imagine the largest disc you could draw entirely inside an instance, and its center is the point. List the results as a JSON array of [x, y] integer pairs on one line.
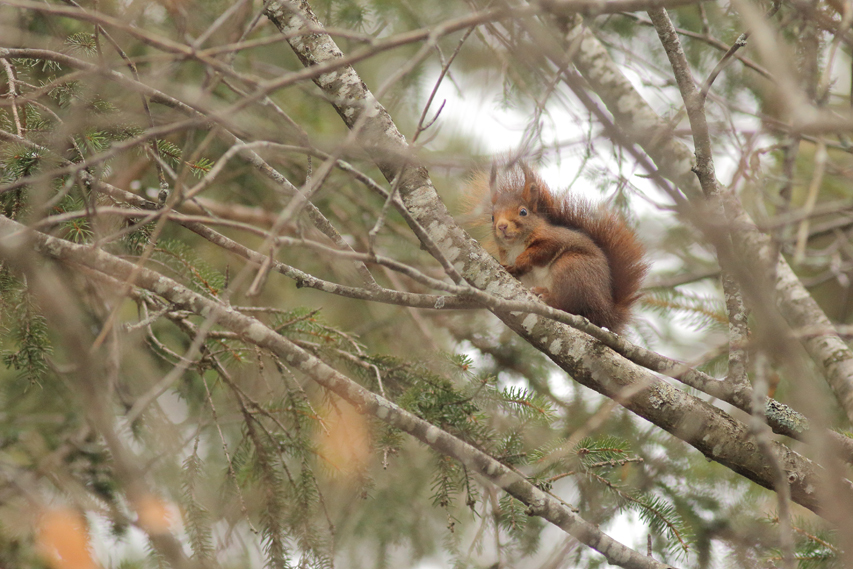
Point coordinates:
[[538, 276], [513, 251]]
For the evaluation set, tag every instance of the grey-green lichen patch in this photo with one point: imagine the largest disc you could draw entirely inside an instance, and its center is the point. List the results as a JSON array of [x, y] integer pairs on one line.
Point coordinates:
[[372, 109], [529, 323], [438, 231], [615, 552], [715, 451], [494, 469], [274, 10], [576, 344], [590, 46], [256, 332], [494, 285], [451, 253], [555, 346], [432, 434], [382, 411], [353, 391], [162, 286], [325, 50], [327, 79], [420, 203], [835, 356], [538, 499], [662, 395], [481, 280], [311, 366], [786, 416]]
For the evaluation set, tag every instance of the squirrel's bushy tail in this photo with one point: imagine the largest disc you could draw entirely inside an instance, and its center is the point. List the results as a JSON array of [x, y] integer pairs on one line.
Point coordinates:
[[625, 254]]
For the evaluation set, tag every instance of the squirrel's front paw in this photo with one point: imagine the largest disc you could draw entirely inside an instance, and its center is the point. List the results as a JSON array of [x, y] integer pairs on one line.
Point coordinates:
[[511, 269], [541, 292]]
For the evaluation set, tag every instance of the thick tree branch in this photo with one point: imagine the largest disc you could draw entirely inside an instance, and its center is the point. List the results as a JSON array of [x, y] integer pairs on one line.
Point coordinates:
[[675, 161], [16, 239], [706, 428]]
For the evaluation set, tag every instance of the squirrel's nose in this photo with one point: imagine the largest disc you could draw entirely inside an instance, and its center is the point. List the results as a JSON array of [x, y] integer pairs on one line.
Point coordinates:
[[502, 227]]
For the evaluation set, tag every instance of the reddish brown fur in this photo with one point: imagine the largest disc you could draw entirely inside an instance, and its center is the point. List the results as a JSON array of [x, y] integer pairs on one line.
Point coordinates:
[[591, 259]]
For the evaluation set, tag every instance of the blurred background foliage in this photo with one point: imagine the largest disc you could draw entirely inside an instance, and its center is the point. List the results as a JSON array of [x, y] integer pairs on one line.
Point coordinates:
[[250, 464]]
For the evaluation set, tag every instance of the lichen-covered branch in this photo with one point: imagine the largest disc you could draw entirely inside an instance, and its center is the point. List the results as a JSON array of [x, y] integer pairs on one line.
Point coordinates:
[[675, 162], [15, 238], [707, 428]]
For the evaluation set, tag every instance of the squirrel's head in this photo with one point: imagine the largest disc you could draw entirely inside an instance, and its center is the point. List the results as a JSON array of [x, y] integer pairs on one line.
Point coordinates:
[[516, 194]]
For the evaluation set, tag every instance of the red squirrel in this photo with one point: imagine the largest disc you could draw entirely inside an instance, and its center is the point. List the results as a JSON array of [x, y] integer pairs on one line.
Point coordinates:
[[578, 258]]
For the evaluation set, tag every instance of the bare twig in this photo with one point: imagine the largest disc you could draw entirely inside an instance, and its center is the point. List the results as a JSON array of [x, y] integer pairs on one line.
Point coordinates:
[[762, 435], [539, 503], [13, 96], [811, 200]]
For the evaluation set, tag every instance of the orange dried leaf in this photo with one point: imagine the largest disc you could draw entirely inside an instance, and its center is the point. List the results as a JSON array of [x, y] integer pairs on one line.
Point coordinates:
[[345, 441], [64, 540]]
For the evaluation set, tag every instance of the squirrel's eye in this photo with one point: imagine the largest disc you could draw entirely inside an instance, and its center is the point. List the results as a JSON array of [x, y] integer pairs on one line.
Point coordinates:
[[493, 219], [522, 212]]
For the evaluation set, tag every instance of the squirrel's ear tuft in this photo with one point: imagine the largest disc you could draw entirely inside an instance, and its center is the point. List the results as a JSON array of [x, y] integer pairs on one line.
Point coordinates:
[[531, 194], [531, 186], [493, 182]]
